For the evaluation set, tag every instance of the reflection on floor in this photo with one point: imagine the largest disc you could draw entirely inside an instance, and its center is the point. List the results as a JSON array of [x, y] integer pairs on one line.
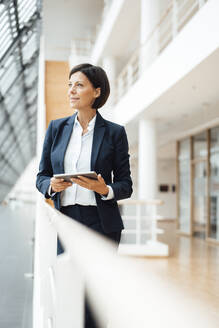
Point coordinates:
[[16, 266], [193, 265]]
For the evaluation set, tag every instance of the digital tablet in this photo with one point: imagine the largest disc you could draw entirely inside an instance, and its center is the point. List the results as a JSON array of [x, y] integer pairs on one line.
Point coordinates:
[[68, 176]]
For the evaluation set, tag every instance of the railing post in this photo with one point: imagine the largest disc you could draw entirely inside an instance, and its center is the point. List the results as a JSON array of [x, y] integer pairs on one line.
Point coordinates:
[[69, 308], [138, 224], [153, 222], [129, 76], [120, 87]]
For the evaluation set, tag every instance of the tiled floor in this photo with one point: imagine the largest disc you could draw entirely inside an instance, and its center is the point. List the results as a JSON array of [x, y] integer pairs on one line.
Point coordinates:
[[16, 262]]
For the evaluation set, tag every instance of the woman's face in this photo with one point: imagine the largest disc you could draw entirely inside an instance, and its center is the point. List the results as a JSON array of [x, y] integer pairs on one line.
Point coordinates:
[[81, 92]]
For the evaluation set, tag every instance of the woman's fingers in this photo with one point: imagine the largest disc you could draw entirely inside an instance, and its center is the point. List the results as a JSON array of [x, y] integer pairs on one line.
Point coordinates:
[[82, 181], [96, 185], [100, 178], [59, 184]]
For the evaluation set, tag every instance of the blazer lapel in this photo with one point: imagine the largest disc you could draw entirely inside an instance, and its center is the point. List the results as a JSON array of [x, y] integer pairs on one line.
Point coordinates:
[[99, 131], [66, 134]]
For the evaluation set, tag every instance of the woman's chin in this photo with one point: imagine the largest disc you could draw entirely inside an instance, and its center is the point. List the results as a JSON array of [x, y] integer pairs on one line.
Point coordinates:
[[73, 106]]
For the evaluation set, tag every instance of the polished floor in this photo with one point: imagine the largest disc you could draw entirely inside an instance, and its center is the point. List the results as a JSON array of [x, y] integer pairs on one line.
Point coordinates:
[[193, 265], [16, 266]]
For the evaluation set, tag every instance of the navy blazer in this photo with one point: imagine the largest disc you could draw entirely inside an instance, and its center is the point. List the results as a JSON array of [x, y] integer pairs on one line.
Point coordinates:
[[109, 155]]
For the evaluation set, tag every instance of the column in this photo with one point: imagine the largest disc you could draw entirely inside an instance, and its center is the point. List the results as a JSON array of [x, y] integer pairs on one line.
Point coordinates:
[[109, 65], [147, 160], [148, 41]]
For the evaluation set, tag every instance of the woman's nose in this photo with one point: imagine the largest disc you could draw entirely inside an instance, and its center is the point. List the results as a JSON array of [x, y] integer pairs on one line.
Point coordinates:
[[72, 89]]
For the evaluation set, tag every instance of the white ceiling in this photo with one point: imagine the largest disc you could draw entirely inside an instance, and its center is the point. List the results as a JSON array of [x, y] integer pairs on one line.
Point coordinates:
[[68, 19]]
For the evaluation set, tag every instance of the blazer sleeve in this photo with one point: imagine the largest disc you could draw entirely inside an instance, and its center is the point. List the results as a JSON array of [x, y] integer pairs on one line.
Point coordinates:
[[122, 182], [45, 167]]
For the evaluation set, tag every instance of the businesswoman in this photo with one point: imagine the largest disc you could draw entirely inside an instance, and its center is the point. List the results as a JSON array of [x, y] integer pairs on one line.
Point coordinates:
[[86, 142]]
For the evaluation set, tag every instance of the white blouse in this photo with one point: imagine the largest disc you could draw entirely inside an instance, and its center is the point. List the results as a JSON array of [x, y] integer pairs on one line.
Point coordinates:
[[78, 159]]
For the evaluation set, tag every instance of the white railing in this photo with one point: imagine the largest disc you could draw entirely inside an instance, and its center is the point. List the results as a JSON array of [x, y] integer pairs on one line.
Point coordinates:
[[128, 292], [82, 47], [140, 234], [128, 76], [80, 51], [174, 18]]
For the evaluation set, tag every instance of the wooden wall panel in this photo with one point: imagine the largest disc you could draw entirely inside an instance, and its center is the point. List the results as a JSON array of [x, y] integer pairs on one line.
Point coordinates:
[[56, 88]]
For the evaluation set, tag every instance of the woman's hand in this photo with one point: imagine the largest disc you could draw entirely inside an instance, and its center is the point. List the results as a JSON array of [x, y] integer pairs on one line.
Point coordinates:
[[59, 184], [98, 186]]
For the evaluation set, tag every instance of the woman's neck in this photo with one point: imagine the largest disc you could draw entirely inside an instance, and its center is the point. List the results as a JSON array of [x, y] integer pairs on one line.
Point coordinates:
[[85, 116]]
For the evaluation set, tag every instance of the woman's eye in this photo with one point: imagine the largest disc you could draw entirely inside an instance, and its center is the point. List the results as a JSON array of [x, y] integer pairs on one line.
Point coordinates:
[[79, 84]]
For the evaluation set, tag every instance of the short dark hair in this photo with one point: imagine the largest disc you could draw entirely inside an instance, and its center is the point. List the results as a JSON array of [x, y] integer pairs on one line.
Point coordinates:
[[98, 78]]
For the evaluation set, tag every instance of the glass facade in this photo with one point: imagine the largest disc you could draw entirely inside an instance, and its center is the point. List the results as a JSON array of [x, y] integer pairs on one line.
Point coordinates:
[[200, 146], [198, 178], [184, 186], [214, 184]]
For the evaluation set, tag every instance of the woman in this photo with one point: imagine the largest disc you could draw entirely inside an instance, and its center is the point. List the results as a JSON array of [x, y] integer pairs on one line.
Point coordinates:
[[86, 142]]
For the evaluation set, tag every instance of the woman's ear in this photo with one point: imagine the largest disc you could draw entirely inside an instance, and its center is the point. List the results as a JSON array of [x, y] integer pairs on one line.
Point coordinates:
[[97, 92]]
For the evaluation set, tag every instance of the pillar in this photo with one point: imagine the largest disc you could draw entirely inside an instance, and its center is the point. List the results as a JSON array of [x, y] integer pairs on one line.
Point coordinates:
[[109, 65], [149, 42], [147, 160]]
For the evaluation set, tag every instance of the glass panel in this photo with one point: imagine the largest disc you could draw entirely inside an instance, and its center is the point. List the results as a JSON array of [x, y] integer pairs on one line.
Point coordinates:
[[18, 83], [214, 184], [200, 199], [200, 145], [26, 9], [31, 95], [32, 110], [2, 7], [5, 131], [184, 152], [14, 96], [9, 78], [30, 76], [7, 143], [17, 115], [5, 33], [184, 186], [29, 48], [2, 116]]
